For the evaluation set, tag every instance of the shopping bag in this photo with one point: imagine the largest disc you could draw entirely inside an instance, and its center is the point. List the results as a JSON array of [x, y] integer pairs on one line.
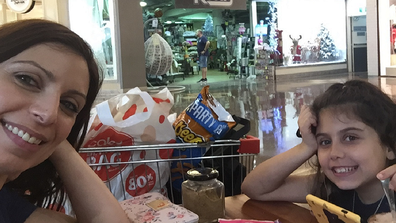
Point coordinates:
[[128, 119]]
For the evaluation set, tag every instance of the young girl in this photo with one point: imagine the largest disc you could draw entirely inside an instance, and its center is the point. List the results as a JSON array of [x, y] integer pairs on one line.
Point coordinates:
[[48, 82], [351, 132]]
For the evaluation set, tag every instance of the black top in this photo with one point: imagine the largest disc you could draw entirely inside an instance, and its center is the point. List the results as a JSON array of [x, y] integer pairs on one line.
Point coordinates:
[[344, 199], [13, 208]]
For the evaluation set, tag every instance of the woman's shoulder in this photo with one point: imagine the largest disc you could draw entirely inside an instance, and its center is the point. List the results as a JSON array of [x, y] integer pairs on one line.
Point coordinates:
[[14, 208]]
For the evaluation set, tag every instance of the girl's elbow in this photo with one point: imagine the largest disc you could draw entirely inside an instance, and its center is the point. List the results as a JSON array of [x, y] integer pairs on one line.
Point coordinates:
[[248, 190]]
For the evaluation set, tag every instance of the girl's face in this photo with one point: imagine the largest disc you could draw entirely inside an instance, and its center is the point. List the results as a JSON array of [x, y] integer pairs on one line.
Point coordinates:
[[350, 152], [42, 90]]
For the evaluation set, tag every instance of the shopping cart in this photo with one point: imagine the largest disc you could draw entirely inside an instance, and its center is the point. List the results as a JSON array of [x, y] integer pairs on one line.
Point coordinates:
[[118, 166]]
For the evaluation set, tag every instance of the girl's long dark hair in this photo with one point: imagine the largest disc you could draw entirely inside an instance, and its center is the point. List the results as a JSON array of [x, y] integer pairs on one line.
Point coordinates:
[[41, 183], [362, 101]]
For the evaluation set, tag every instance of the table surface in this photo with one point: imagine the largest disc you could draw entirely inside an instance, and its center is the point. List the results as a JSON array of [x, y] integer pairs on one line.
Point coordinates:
[[241, 207]]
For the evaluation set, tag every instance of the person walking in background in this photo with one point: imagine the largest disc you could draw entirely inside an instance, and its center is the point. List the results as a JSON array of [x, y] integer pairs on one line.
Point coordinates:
[[53, 78], [203, 53]]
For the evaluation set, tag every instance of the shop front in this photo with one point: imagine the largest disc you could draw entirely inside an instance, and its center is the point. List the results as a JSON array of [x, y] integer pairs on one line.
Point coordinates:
[[115, 46], [298, 36], [386, 14], [302, 36]]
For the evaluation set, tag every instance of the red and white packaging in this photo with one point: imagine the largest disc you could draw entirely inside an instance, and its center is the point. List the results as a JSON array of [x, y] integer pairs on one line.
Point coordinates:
[[128, 119]]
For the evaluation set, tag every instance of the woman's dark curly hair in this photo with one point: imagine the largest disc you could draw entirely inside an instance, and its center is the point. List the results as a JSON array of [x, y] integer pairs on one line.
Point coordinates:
[[41, 183], [362, 101]]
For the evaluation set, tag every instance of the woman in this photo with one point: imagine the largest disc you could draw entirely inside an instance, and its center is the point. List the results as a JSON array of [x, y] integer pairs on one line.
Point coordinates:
[[48, 82], [351, 130]]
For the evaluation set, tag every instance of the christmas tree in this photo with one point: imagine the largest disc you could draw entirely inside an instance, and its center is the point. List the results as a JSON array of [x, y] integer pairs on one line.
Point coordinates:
[[208, 26], [328, 50]]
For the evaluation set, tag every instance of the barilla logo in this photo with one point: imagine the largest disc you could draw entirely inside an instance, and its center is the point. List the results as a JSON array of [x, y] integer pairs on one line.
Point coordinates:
[[140, 181], [203, 116], [214, 2], [109, 137], [185, 134]]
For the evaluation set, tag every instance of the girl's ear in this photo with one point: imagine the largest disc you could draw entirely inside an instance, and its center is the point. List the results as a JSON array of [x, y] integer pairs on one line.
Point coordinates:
[[390, 154]]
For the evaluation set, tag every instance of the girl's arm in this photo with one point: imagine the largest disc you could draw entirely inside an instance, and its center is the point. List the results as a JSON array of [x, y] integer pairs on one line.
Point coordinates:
[[271, 180], [91, 199]]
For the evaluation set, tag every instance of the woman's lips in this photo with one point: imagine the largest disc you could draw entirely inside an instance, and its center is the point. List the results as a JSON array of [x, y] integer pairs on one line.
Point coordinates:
[[27, 140], [24, 135]]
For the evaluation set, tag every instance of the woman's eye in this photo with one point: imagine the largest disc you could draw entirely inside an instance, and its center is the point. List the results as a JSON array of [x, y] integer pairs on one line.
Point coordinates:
[[27, 80], [70, 106]]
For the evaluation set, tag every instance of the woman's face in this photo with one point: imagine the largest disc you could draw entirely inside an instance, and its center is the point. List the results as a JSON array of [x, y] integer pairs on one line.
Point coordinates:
[[42, 90], [350, 152]]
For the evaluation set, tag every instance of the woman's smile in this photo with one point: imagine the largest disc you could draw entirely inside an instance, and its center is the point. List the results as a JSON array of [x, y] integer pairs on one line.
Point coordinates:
[[24, 135], [27, 140]]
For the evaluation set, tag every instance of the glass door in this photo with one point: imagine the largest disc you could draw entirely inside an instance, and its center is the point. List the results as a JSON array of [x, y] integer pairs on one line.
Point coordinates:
[[93, 20]]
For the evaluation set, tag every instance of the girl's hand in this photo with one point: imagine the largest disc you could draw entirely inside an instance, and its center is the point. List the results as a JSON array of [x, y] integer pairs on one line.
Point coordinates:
[[307, 122], [389, 173]]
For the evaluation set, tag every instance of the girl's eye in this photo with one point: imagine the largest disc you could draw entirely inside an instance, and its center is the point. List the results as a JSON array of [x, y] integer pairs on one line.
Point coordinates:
[[27, 80], [324, 142], [350, 138], [70, 106]]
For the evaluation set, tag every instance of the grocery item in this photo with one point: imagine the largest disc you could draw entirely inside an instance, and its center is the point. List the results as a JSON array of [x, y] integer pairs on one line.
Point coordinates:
[[154, 207], [203, 194]]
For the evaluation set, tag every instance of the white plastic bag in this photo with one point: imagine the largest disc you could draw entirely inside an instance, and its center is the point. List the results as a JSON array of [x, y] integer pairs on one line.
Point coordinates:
[[129, 119]]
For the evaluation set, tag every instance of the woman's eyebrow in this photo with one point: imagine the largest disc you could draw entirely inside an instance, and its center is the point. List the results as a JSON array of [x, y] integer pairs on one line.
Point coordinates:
[[49, 74], [78, 93]]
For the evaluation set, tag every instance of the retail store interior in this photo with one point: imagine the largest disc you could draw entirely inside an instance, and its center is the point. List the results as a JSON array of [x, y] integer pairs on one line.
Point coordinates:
[[243, 43], [267, 58], [270, 57]]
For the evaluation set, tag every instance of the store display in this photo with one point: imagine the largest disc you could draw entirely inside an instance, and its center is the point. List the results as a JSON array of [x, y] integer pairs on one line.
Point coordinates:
[[328, 50], [261, 31], [208, 26], [158, 55], [296, 49], [242, 28], [263, 69]]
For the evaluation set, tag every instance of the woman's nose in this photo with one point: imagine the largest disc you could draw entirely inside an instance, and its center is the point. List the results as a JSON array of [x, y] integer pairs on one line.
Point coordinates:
[[45, 110]]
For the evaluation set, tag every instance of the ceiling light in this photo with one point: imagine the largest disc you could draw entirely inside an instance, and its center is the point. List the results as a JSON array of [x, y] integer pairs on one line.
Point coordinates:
[[143, 3]]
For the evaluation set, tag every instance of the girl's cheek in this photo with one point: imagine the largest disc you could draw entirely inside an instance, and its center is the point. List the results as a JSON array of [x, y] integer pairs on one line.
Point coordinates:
[[321, 158]]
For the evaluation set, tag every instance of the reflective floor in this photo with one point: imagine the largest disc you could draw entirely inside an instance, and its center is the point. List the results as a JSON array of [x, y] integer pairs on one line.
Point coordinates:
[[271, 106]]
